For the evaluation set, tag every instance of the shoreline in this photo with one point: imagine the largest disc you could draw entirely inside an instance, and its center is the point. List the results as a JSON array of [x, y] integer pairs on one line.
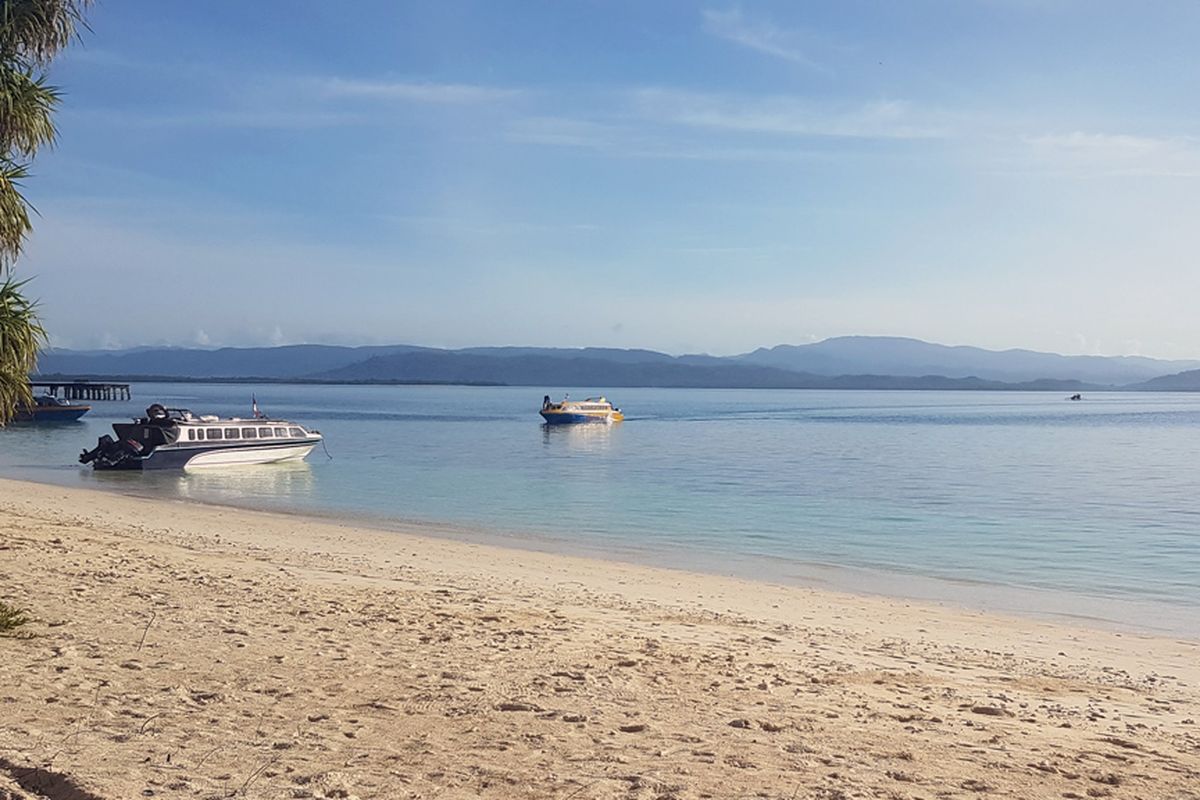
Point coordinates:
[[1113, 613], [187, 650]]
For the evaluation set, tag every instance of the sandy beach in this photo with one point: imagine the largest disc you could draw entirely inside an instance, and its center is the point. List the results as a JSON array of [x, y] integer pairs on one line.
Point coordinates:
[[180, 650]]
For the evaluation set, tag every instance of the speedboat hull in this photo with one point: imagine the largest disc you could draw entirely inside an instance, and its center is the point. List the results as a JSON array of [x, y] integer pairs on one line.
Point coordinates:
[[574, 418], [52, 413], [260, 455], [201, 457]]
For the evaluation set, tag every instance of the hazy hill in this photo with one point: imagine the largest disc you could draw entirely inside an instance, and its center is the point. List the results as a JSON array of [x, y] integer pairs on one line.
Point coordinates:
[[597, 353], [561, 370], [849, 362], [290, 361], [899, 356], [1188, 381], [440, 366]]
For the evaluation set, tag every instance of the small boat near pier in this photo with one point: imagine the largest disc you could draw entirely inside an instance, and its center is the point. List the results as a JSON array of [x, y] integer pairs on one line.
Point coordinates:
[[47, 408]]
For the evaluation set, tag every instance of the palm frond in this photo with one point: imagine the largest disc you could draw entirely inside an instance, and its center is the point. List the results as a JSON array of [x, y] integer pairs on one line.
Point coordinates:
[[27, 104], [21, 337], [34, 31], [14, 212]]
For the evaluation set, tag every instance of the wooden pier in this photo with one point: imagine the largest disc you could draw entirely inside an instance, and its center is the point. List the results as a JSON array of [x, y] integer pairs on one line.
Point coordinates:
[[83, 390]]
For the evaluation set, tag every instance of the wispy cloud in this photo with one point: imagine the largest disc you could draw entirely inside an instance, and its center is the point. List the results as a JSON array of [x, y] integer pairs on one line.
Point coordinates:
[[1114, 154], [786, 115], [290, 103], [639, 139], [1104, 145], [760, 35], [257, 119], [664, 123], [415, 91], [442, 225], [565, 132], [221, 78]]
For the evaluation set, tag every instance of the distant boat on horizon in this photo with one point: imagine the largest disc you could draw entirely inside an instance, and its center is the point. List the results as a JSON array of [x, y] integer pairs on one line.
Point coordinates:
[[573, 412]]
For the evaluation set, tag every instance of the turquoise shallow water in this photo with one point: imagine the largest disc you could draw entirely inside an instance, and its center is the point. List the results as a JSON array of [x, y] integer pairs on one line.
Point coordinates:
[[1014, 500]]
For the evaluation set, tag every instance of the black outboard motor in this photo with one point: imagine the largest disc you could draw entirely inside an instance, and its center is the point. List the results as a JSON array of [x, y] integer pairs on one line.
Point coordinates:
[[135, 441], [88, 456], [111, 454]]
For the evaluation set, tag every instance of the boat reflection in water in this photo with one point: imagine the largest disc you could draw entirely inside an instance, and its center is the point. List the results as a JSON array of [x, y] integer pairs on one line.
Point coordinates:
[[285, 485], [281, 481], [580, 438]]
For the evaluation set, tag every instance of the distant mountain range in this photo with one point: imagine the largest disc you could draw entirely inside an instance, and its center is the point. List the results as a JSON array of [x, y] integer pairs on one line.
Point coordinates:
[[850, 362], [897, 356], [1188, 381]]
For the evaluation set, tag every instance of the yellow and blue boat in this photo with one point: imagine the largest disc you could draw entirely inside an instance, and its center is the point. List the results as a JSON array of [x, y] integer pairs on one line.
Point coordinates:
[[574, 412]]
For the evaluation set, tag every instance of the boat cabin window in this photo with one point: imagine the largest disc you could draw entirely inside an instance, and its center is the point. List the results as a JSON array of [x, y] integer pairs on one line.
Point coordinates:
[[214, 433], [249, 433], [296, 432], [280, 433], [264, 433], [191, 434], [231, 433]]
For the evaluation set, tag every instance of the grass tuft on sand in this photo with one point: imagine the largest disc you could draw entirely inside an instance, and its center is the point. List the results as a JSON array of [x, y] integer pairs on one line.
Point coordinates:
[[11, 618]]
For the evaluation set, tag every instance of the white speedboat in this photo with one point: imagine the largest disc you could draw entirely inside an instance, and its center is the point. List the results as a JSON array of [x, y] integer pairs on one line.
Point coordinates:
[[175, 438]]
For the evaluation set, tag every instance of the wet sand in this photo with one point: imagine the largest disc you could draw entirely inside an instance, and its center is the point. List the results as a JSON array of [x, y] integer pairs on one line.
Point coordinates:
[[181, 650]]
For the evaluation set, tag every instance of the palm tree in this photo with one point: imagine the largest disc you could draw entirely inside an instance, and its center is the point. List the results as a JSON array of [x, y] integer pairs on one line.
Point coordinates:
[[32, 33], [20, 336]]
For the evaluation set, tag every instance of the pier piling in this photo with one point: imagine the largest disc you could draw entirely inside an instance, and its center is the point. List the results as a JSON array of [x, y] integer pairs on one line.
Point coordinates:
[[83, 390]]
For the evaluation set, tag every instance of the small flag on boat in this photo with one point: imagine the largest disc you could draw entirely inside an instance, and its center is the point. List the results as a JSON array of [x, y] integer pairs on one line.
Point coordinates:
[[254, 406]]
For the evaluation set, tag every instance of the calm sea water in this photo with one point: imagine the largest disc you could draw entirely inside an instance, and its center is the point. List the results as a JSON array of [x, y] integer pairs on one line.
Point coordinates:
[[1021, 501]]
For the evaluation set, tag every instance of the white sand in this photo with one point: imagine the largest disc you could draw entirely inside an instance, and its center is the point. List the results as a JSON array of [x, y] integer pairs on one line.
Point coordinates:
[[190, 651]]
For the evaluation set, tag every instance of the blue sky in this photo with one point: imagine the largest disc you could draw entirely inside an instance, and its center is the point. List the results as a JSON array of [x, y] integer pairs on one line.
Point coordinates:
[[686, 177]]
